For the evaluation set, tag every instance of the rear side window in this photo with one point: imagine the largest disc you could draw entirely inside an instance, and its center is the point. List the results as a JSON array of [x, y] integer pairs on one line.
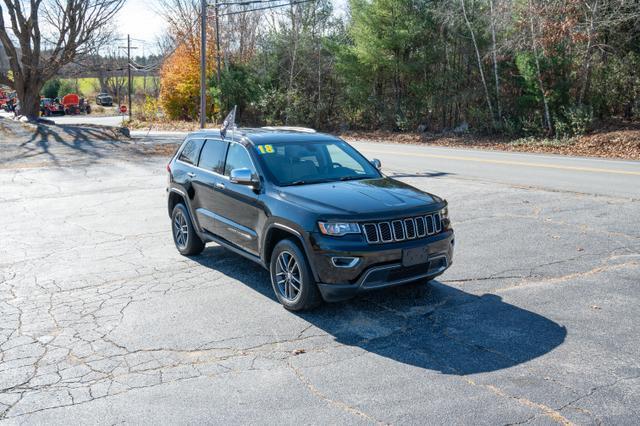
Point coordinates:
[[189, 153], [212, 156], [238, 158]]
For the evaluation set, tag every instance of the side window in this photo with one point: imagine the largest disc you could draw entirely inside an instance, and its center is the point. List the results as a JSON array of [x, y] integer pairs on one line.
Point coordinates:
[[189, 153], [237, 158], [212, 156]]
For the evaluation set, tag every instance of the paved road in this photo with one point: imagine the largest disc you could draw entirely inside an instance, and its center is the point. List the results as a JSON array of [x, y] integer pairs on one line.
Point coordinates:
[[585, 175], [553, 172], [114, 121], [101, 321]]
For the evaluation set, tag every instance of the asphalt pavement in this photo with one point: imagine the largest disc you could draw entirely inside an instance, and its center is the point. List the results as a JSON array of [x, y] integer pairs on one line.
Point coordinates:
[[537, 321]]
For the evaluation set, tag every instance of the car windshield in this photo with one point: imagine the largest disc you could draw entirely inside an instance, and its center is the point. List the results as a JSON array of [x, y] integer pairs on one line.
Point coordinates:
[[308, 162]]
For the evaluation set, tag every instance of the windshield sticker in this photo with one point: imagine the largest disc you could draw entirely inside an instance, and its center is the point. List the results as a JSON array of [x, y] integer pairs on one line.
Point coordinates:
[[266, 149]]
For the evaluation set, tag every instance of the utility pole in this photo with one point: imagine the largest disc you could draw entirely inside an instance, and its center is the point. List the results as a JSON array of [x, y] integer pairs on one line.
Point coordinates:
[[129, 68], [128, 47], [203, 64], [218, 54]]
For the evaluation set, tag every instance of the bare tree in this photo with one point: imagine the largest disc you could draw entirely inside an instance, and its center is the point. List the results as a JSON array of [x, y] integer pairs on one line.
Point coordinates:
[[475, 46], [494, 58], [533, 18], [65, 28]]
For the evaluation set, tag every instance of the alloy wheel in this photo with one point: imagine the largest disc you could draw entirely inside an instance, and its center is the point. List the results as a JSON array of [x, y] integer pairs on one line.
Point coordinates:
[[288, 276], [180, 230]]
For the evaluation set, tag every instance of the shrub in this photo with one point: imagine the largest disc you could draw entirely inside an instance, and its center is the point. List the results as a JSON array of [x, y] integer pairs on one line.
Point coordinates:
[[573, 121], [51, 88]]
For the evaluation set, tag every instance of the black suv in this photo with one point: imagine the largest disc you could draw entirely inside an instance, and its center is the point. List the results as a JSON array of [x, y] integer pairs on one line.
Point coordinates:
[[311, 209]]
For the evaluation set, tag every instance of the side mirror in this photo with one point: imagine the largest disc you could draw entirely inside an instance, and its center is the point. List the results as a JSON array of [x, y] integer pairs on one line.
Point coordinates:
[[376, 163], [244, 176]]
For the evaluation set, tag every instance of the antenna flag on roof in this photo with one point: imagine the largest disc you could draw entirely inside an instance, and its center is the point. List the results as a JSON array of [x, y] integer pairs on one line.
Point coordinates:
[[229, 122]]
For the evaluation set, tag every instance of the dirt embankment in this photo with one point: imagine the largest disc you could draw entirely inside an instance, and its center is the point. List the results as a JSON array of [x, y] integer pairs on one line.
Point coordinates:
[[610, 142]]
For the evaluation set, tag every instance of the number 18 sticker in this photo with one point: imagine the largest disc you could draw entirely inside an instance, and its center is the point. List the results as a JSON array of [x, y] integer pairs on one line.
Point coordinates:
[[266, 149]]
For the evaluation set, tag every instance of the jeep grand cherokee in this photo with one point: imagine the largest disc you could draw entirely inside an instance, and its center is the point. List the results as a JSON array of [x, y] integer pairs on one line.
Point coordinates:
[[308, 207]]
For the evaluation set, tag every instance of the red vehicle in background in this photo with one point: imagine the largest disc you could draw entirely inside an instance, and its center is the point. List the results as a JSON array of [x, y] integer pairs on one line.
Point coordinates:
[[4, 98], [74, 104]]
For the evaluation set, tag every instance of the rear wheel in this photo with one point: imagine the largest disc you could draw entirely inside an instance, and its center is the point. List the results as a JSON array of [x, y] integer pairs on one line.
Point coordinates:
[[291, 277], [185, 238]]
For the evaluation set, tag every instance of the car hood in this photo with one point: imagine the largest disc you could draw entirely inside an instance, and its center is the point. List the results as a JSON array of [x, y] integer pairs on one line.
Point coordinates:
[[367, 197]]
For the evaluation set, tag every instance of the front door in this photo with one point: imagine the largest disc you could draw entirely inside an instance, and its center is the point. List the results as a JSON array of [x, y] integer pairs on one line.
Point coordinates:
[[240, 207]]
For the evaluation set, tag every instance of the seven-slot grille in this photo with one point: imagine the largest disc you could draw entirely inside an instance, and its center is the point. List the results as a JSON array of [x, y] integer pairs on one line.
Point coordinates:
[[403, 229]]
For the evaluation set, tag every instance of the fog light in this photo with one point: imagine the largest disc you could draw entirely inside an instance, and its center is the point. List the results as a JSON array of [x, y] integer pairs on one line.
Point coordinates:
[[344, 262]]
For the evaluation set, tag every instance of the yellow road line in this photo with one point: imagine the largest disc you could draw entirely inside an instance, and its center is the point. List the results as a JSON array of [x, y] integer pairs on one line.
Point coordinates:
[[508, 162]]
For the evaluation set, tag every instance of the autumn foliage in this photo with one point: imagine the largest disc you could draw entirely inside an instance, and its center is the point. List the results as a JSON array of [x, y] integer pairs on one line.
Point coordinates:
[[180, 83]]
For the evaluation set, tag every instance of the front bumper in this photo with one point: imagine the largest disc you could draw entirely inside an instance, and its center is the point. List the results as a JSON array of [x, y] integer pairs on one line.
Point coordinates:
[[378, 266]]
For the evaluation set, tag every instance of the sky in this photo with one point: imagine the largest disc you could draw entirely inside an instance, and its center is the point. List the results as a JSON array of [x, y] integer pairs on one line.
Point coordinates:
[[137, 17]]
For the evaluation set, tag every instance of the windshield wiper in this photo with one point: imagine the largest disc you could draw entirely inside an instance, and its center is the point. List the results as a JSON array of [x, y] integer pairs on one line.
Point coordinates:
[[353, 178], [298, 182], [309, 182]]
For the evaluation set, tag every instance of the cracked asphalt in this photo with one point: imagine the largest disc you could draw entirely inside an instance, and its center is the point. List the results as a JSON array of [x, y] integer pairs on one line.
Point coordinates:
[[103, 322]]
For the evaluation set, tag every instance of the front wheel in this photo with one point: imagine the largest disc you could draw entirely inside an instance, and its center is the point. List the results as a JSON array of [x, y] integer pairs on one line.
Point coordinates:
[[185, 238], [291, 277]]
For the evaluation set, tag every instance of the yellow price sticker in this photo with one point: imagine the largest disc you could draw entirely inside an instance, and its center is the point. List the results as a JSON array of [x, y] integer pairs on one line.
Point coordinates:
[[266, 149]]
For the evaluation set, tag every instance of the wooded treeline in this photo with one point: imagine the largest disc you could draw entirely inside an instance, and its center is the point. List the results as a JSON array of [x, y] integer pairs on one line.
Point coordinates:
[[524, 67]]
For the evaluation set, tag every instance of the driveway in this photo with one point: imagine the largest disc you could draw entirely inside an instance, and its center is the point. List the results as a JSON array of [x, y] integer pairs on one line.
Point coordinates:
[[102, 321]]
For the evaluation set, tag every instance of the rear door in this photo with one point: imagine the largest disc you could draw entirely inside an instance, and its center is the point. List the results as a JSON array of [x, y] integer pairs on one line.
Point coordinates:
[[240, 207], [187, 168], [207, 181]]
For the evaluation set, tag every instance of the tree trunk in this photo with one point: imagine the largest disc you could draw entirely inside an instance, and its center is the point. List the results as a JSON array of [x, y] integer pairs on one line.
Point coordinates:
[[534, 45], [586, 73], [495, 61], [29, 95], [475, 46]]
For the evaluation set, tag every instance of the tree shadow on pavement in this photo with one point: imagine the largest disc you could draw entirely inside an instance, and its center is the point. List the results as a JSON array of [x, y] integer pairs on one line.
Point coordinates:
[[428, 325], [59, 144]]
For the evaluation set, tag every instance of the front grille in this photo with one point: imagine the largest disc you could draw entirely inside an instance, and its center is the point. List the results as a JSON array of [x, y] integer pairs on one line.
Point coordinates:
[[385, 232], [403, 229]]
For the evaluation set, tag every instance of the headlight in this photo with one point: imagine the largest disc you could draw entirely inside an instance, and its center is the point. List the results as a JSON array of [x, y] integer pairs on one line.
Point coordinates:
[[446, 223], [445, 213], [338, 229]]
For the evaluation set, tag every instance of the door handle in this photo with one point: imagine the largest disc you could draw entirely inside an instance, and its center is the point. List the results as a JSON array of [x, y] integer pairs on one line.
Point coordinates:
[[220, 185], [191, 174]]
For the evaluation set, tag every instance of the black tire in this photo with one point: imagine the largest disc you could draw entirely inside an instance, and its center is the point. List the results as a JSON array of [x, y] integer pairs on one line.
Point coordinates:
[[308, 295], [185, 238]]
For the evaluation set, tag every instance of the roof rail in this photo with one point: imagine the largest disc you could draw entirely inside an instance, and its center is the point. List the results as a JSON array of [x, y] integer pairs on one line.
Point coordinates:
[[290, 128]]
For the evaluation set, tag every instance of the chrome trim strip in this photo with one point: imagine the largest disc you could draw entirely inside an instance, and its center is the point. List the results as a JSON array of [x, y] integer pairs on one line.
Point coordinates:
[[177, 191], [424, 227], [406, 229], [429, 219], [438, 222], [240, 229], [286, 228], [390, 232], [354, 261], [375, 228], [363, 280], [225, 160], [402, 238]]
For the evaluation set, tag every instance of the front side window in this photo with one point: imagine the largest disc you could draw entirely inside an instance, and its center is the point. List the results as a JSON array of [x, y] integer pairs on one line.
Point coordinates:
[[190, 151], [212, 156], [299, 163], [237, 158]]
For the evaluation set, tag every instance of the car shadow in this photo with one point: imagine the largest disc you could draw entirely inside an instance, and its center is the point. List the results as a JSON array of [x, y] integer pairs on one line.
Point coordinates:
[[428, 325]]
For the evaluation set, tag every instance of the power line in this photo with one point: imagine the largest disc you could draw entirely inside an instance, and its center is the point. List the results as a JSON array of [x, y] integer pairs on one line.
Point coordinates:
[[293, 3]]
